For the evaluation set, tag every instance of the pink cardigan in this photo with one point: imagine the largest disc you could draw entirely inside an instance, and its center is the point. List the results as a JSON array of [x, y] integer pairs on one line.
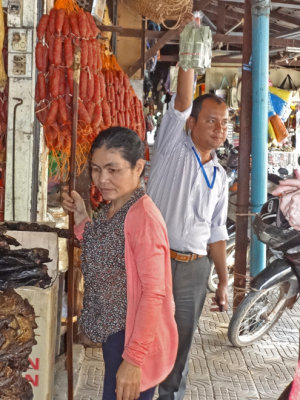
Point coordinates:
[[151, 337]]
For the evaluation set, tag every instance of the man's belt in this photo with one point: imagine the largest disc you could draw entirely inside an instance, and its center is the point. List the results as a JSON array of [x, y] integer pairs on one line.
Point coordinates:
[[184, 257]]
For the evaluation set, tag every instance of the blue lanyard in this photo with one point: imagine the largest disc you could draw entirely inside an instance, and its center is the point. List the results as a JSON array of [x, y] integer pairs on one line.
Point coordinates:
[[209, 184]]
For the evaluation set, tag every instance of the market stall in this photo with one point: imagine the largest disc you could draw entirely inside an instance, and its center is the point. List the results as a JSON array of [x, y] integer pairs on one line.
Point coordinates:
[[126, 76]]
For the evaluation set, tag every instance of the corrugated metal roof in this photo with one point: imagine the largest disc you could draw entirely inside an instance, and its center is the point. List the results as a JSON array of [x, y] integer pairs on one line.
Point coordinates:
[[226, 17]]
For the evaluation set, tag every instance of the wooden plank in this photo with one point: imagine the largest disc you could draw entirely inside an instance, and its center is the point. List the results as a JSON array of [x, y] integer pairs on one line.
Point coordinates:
[[218, 37], [153, 50], [284, 42], [200, 4], [285, 18], [174, 58], [288, 4], [231, 17], [277, 4], [221, 17], [236, 15], [128, 49], [228, 60], [290, 32], [130, 32]]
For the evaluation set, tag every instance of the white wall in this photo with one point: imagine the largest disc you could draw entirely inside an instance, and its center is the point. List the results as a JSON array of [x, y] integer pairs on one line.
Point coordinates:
[[23, 87]]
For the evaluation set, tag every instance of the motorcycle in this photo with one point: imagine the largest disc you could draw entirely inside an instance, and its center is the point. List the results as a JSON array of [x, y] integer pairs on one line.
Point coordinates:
[[275, 288], [229, 161]]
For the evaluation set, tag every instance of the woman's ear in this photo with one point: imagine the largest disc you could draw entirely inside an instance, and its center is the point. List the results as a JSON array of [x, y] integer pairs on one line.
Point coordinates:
[[140, 164], [191, 122]]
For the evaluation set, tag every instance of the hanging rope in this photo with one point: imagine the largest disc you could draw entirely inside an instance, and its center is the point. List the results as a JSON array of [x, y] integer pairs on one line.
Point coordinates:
[[68, 5], [161, 10]]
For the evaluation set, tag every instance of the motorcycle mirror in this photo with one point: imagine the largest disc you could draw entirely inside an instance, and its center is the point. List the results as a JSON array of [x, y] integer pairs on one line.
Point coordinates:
[[274, 178], [283, 171]]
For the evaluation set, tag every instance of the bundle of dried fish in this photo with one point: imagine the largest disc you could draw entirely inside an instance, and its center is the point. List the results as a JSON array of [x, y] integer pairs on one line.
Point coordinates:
[[37, 254], [35, 227], [6, 241], [12, 385], [34, 277], [17, 324], [23, 267]]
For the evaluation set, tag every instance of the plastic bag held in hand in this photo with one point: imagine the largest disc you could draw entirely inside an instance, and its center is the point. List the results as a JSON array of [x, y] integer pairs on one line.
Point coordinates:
[[195, 46], [289, 190]]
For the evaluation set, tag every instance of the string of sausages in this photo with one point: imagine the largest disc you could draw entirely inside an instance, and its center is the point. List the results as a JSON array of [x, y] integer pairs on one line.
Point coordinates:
[[124, 107], [106, 97]]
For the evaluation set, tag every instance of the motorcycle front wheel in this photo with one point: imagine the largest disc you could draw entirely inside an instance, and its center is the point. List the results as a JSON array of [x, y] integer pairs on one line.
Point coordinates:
[[256, 314]]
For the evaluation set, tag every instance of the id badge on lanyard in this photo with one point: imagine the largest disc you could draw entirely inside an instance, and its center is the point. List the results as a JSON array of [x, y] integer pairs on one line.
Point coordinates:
[[209, 184]]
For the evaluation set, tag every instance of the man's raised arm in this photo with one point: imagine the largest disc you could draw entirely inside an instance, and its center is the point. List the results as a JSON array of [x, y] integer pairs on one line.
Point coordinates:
[[185, 85]]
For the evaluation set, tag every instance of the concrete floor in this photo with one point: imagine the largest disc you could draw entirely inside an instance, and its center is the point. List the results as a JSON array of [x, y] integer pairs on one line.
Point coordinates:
[[218, 371]]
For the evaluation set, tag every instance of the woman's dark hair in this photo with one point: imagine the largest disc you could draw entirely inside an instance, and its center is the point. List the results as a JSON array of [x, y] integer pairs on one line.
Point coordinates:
[[197, 103], [125, 140]]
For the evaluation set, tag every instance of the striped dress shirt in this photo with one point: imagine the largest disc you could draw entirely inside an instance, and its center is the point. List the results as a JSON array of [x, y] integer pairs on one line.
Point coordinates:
[[195, 215]]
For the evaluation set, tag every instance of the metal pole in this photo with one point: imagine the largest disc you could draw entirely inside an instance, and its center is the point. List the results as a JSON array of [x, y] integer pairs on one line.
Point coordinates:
[[143, 45], [36, 149], [241, 241], [115, 22], [20, 101], [76, 67], [35, 171], [260, 70]]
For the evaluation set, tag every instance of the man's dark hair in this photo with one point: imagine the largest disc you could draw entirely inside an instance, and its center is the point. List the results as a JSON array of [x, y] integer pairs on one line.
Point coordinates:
[[197, 103]]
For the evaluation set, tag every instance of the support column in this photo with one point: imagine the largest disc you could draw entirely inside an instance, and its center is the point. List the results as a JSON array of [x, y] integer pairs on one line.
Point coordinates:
[[241, 241], [260, 71], [27, 199]]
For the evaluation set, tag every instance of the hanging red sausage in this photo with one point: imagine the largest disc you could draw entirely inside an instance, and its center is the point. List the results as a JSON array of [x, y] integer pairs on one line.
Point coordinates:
[[59, 20], [52, 113], [57, 51], [68, 52], [54, 82], [42, 26]]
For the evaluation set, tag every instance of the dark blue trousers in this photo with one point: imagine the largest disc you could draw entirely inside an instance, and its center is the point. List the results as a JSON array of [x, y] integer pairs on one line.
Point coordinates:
[[112, 353]]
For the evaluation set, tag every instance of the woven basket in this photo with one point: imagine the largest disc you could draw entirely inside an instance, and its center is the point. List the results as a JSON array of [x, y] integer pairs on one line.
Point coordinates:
[[162, 10]]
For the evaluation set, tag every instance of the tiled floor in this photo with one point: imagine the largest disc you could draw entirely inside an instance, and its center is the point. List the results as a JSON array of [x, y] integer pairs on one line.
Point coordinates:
[[219, 371]]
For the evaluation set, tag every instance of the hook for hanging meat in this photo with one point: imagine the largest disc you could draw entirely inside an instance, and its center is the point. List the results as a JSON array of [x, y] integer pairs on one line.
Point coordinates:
[[20, 101]]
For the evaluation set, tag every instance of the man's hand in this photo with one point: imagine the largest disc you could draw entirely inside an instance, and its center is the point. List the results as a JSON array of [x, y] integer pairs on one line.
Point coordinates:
[[128, 381], [75, 204], [218, 254], [287, 185], [220, 301]]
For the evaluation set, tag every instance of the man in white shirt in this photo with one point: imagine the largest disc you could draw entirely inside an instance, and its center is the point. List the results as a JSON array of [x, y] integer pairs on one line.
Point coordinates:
[[189, 187]]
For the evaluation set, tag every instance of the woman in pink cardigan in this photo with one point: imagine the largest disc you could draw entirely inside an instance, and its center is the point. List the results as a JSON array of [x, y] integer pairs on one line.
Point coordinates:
[[128, 303]]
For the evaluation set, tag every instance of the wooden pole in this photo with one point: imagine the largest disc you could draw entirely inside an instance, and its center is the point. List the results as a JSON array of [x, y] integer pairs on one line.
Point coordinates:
[[70, 281], [241, 242]]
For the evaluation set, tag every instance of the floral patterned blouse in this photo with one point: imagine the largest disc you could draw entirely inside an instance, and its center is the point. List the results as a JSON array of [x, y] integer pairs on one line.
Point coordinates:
[[103, 267]]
